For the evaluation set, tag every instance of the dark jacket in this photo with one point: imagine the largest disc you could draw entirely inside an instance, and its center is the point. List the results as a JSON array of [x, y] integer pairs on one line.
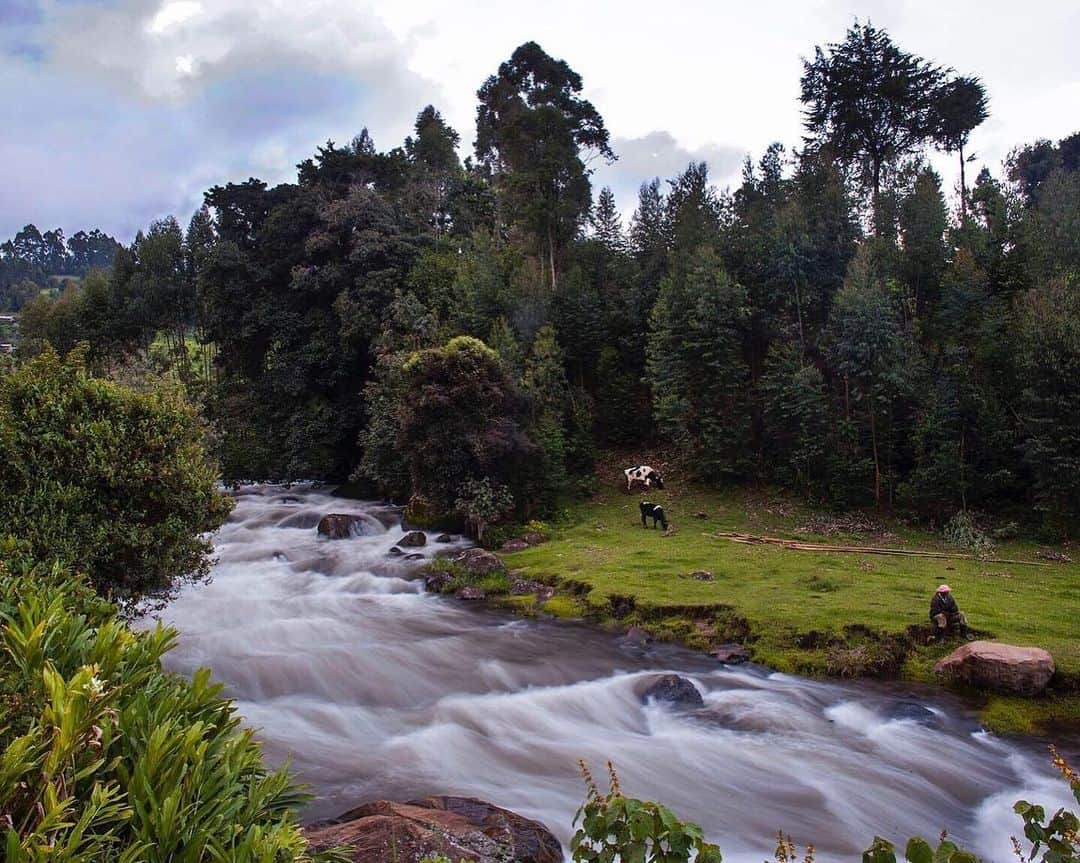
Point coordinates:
[[943, 603]]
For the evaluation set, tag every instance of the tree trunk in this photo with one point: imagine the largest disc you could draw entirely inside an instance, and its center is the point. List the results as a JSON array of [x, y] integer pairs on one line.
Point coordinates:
[[551, 252], [963, 189], [877, 464], [877, 196], [798, 311]]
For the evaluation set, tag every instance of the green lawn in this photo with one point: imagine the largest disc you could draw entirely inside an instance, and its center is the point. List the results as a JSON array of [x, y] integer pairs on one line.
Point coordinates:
[[793, 606]]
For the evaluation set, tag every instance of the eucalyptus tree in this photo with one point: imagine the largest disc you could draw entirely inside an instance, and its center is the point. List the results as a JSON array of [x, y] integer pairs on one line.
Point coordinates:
[[961, 106], [532, 130], [870, 102]]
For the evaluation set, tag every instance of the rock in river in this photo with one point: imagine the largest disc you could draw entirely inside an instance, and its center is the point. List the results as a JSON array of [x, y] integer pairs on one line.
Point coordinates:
[[471, 591], [999, 667], [732, 654], [338, 525], [458, 828], [413, 539], [673, 689]]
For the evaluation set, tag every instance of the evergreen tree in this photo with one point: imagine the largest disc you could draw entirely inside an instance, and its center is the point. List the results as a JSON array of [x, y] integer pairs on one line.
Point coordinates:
[[871, 358], [699, 379]]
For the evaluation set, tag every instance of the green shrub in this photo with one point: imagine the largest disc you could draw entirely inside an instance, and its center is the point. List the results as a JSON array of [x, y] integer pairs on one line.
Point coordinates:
[[104, 757], [619, 828], [963, 532], [616, 827], [112, 481]]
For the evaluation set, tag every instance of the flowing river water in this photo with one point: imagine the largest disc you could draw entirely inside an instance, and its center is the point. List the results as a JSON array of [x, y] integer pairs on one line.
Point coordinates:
[[378, 690]]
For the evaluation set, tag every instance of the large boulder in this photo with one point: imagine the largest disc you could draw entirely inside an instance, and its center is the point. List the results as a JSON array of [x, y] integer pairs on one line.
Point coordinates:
[[999, 667], [479, 561], [673, 689], [413, 539], [339, 525], [458, 828]]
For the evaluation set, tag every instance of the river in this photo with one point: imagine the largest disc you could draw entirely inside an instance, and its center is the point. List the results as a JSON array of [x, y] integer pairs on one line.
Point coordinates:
[[375, 689]]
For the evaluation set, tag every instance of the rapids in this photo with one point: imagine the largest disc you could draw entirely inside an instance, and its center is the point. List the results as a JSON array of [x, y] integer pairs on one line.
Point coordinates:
[[375, 689]]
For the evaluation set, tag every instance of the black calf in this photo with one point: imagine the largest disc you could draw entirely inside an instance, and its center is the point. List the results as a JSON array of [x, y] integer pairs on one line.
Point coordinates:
[[653, 511]]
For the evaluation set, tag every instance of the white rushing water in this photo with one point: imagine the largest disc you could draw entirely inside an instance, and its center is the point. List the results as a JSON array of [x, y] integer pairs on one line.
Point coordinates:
[[376, 689]]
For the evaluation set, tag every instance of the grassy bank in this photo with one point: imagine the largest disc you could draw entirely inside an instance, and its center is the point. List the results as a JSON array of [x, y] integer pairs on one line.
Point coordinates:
[[807, 612]]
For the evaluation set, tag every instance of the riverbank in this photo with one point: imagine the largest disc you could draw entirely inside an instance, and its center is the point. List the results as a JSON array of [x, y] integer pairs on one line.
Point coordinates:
[[806, 612]]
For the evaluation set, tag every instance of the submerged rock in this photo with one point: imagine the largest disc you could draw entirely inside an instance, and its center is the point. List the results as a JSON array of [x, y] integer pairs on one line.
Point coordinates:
[[413, 539], [338, 525], [414, 556], [999, 667], [673, 689], [458, 828], [444, 537], [637, 637], [732, 654], [395, 551], [913, 711], [303, 520]]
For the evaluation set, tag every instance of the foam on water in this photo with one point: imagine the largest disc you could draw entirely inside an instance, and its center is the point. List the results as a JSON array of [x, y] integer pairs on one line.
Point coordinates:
[[376, 689]]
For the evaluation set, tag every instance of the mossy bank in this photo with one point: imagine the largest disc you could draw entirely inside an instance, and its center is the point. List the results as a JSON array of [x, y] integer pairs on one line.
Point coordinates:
[[805, 612]]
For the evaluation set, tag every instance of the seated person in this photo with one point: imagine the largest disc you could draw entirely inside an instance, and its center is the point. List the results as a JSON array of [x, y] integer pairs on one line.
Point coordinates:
[[946, 615]]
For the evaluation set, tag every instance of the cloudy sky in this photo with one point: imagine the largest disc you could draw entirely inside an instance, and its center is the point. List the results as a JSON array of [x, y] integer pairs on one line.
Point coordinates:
[[116, 112]]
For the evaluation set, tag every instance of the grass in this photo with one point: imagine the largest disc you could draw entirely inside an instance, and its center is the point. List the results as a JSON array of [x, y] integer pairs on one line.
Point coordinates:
[[805, 611]]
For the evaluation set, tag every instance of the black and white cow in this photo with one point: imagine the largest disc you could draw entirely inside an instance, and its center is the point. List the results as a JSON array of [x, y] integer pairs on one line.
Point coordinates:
[[653, 511], [645, 475]]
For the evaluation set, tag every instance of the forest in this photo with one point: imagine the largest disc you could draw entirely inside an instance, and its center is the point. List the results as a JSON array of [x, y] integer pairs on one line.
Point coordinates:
[[469, 334]]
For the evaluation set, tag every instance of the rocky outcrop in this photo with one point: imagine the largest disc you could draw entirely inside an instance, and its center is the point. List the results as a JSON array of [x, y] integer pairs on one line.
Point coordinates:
[[413, 539], [459, 828], [999, 667], [673, 689], [527, 587], [338, 525], [479, 561]]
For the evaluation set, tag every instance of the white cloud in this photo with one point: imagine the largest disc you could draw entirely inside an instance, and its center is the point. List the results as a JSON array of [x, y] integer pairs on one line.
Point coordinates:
[[250, 86], [172, 14]]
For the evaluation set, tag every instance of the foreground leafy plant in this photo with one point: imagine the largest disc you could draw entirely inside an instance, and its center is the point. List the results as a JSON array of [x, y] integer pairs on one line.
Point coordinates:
[[104, 757], [614, 826], [618, 828]]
